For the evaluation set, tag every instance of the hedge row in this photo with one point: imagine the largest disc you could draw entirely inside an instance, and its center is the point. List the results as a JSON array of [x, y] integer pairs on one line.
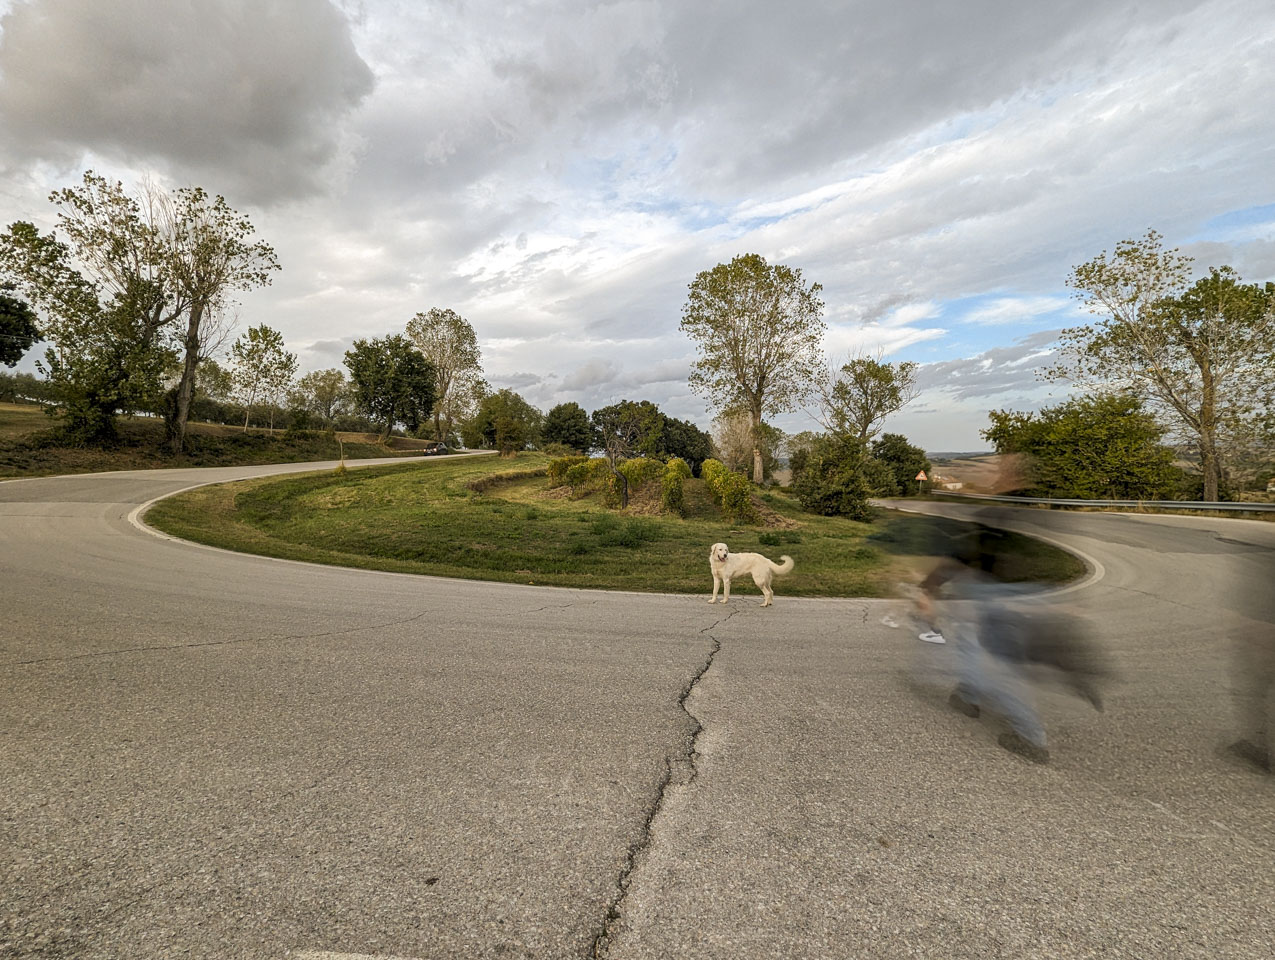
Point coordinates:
[[676, 472], [731, 490]]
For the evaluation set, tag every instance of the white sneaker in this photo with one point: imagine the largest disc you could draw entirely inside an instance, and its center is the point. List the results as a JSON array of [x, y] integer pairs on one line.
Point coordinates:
[[931, 637]]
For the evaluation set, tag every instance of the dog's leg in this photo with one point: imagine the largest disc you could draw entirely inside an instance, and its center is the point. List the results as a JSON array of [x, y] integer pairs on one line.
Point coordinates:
[[716, 583], [725, 589], [770, 595]]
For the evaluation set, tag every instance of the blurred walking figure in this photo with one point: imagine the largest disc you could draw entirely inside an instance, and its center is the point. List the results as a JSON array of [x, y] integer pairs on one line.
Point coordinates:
[[1001, 630], [1254, 586]]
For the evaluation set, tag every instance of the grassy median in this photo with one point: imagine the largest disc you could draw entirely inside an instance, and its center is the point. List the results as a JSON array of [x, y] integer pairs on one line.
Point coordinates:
[[427, 518]]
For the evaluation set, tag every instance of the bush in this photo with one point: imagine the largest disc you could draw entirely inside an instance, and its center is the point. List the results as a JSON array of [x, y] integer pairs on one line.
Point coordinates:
[[559, 468], [832, 480], [640, 471], [713, 471], [737, 498], [731, 491], [676, 471]]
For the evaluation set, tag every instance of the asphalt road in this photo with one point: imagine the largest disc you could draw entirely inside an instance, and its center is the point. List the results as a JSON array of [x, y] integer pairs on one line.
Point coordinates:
[[213, 755]]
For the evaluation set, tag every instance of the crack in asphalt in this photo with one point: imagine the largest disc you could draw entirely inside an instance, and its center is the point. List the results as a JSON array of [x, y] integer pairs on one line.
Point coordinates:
[[217, 643], [687, 765]]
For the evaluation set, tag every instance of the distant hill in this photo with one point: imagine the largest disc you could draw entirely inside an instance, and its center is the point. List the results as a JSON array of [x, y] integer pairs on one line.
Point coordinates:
[[957, 455]]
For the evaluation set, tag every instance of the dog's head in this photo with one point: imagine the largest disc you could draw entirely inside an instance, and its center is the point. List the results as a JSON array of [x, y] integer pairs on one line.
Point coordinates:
[[718, 552]]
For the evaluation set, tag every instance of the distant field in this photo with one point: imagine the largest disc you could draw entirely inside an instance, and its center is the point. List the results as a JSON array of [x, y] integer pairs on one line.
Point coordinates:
[[977, 474], [29, 446], [426, 518]]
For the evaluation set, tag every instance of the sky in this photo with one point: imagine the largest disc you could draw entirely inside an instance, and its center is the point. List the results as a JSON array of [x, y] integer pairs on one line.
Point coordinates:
[[558, 172]]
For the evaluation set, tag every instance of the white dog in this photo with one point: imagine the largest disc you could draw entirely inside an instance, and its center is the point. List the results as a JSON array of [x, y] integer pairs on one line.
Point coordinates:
[[726, 566]]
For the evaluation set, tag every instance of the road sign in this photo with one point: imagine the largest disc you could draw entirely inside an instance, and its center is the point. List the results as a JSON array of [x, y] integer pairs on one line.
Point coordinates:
[[921, 475]]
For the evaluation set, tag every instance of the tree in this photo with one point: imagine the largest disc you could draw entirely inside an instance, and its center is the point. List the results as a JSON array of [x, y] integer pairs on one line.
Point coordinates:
[[858, 397], [104, 299], [829, 477], [903, 461], [208, 253], [639, 420], [115, 293], [322, 392], [391, 381], [735, 439], [1200, 357], [1100, 447], [568, 424], [683, 439], [757, 329], [623, 430], [448, 342], [261, 367], [504, 422], [18, 330]]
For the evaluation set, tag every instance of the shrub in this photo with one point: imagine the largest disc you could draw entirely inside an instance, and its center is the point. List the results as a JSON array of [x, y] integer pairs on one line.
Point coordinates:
[[558, 469], [640, 471], [675, 473], [832, 479], [713, 471], [577, 475], [737, 498]]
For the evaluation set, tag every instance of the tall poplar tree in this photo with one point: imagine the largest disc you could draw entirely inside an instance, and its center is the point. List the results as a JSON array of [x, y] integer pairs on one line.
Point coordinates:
[[758, 330]]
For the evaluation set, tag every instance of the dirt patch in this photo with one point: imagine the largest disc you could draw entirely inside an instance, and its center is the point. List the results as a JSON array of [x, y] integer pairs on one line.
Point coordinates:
[[773, 520]]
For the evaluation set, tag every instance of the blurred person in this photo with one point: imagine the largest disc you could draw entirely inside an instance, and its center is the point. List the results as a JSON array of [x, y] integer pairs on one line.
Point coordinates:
[[1254, 662], [1000, 629]]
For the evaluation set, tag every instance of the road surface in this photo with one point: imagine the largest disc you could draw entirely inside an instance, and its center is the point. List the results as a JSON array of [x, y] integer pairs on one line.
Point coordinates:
[[214, 755]]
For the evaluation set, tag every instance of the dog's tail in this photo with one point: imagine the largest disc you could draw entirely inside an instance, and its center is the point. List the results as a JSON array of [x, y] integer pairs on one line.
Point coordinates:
[[785, 567]]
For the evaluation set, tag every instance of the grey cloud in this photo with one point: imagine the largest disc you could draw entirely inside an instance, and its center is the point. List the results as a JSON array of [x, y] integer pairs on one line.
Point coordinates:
[[247, 93], [518, 381], [591, 374], [991, 373]]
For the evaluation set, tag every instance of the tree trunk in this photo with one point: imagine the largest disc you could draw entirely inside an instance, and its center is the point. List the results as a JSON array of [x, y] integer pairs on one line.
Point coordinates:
[[180, 410], [759, 470], [1209, 464]]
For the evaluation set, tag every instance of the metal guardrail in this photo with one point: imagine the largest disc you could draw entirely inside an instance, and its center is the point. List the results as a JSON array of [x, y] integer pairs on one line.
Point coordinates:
[[1224, 506]]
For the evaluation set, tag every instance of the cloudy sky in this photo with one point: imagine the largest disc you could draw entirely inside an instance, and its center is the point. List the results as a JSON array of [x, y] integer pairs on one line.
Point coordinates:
[[558, 171]]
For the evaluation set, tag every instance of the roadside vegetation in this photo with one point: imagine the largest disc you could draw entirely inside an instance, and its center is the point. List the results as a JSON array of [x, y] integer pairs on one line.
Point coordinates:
[[32, 445], [499, 519]]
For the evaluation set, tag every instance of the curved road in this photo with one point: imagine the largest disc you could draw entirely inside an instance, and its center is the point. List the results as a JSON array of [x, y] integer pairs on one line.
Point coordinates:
[[214, 755]]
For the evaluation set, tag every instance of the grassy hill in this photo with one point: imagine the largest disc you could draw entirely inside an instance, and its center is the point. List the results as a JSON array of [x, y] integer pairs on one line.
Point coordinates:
[[448, 518], [30, 446]]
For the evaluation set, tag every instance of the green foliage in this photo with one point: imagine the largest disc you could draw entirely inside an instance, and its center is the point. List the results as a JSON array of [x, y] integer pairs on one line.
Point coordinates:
[[757, 329], [1105, 447], [448, 341], [683, 440], [24, 388], [673, 499], [568, 424], [323, 392], [1203, 357], [903, 462], [559, 468], [18, 330], [640, 471], [504, 422], [391, 381], [829, 477], [859, 396], [628, 428], [713, 471], [731, 491], [262, 369], [106, 351]]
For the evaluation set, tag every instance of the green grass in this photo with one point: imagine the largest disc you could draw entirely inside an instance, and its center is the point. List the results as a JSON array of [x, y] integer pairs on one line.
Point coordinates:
[[425, 518], [32, 446]]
